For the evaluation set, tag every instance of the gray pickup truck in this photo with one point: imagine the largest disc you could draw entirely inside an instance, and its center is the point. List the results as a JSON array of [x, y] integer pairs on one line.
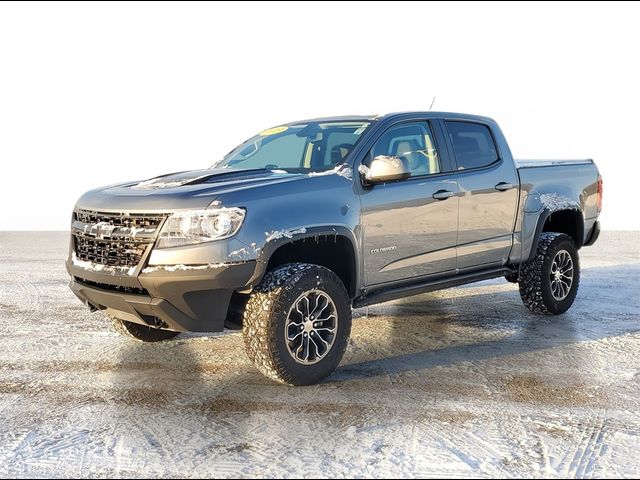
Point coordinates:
[[302, 222]]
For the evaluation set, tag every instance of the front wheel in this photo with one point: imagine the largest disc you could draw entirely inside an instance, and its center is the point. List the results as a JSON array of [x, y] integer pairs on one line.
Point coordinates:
[[549, 283], [297, 324]]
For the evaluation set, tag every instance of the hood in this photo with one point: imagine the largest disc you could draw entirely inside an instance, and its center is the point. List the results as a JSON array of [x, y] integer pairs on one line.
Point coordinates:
[[180, 190]]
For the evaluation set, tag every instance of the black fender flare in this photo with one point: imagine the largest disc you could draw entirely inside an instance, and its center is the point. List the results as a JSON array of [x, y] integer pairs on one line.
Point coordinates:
[[316, 232], [542, 219]]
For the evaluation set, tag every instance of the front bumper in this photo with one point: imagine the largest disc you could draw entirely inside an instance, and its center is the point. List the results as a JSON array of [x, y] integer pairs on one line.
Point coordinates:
[[183, 300]]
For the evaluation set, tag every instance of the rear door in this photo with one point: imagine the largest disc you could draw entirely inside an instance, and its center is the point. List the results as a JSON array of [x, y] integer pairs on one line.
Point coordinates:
[[408, 233], [488, 195]]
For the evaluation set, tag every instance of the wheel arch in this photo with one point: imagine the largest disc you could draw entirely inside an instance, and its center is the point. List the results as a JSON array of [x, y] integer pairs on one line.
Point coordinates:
[[567, 221], [332, 247]]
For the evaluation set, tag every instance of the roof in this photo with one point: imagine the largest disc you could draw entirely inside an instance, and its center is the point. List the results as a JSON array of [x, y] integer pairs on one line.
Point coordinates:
[[344, 118], [360, 118]]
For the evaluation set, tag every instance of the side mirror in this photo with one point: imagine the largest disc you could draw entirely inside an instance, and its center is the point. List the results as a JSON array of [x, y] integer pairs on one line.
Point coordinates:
[[385, 169]]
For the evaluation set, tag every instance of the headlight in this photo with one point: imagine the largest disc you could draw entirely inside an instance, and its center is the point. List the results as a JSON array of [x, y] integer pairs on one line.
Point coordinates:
[[198, 226]]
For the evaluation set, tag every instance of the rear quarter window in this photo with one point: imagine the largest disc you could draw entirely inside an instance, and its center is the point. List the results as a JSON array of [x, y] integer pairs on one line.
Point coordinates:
[[473, 144]]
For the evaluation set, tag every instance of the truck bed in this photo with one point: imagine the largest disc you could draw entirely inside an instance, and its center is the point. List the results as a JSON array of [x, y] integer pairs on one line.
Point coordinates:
[[550, 163], [552, 184]]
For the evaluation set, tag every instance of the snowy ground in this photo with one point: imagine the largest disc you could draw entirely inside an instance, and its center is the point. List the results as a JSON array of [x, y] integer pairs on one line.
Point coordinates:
[[463, 382]]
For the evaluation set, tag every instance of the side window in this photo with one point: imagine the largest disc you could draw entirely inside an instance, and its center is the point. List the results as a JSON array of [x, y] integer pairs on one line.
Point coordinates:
[[412, 141], [473, 144]]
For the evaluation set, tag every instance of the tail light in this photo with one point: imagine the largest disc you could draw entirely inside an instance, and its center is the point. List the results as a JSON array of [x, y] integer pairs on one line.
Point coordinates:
[[599, 193]]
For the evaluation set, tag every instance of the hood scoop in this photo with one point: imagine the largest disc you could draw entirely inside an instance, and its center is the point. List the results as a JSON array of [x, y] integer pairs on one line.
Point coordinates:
[[197, 177], [173, 180]]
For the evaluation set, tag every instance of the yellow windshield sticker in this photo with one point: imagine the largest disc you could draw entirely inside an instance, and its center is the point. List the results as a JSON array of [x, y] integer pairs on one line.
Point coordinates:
[[272, 131]]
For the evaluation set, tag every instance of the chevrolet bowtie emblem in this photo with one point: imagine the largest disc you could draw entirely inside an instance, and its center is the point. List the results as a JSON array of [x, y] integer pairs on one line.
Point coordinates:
[[102, 230]]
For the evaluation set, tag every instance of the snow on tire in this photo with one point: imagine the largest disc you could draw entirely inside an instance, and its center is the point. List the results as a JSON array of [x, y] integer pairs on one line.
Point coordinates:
[[549, 282], [279, 319]]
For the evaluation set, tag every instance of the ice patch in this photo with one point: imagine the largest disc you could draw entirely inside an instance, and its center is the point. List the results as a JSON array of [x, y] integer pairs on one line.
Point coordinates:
[[364, 171], [182, 268], [343, 170], [554, 202], [346, 171], [157, 183], [241, 254], [153, 184], [278, 234], [98, 267], [105, 229], [255, 248], [137, 230]]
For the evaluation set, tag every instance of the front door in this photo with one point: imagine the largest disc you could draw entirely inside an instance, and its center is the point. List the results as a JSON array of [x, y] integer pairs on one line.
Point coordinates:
[[407, 232]]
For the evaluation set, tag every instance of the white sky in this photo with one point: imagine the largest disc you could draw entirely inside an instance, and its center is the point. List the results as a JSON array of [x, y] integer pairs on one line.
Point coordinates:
[[92, 94]]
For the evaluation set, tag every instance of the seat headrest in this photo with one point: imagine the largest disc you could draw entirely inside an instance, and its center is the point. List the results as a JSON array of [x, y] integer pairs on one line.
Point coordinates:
[[339, 152], [405, 146]]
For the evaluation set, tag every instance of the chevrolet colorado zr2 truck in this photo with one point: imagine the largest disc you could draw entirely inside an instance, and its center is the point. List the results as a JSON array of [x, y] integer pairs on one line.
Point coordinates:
[[302, 222]]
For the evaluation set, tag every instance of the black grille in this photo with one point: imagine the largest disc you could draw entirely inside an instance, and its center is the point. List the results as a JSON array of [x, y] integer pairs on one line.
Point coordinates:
[[113, 288], [125, 220], [113, 240], [111, 253]]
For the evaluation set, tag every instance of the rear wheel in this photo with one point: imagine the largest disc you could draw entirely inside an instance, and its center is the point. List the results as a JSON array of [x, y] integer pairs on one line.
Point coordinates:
[[141, 332], [549, 283], [297, 324]]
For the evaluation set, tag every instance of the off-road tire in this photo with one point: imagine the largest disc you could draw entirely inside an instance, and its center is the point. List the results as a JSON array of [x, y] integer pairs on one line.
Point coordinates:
[[535, 287], [141, 332], [265, 320]]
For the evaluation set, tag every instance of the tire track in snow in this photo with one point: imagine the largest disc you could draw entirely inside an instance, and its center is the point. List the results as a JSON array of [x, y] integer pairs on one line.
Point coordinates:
[[602, 450], [584, 447], [585, 466], [54, 410], [393, 433], [472, 462]]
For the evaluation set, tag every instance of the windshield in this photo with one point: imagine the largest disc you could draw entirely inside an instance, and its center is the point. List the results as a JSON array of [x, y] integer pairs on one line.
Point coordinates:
[[312, 146]]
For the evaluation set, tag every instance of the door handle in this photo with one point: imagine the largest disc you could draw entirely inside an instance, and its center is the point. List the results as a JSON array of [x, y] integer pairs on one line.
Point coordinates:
[[443, 194], [504, 186]]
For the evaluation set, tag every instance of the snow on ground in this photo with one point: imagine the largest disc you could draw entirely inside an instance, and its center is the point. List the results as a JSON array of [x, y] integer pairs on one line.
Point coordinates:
[[463, 382]]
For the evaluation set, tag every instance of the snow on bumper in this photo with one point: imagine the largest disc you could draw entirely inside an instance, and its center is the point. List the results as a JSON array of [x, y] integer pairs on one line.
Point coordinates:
[[189, 299]]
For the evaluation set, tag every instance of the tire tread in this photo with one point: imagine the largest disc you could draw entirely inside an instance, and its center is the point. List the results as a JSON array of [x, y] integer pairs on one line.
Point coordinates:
[[532, 274], [259, 323]]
